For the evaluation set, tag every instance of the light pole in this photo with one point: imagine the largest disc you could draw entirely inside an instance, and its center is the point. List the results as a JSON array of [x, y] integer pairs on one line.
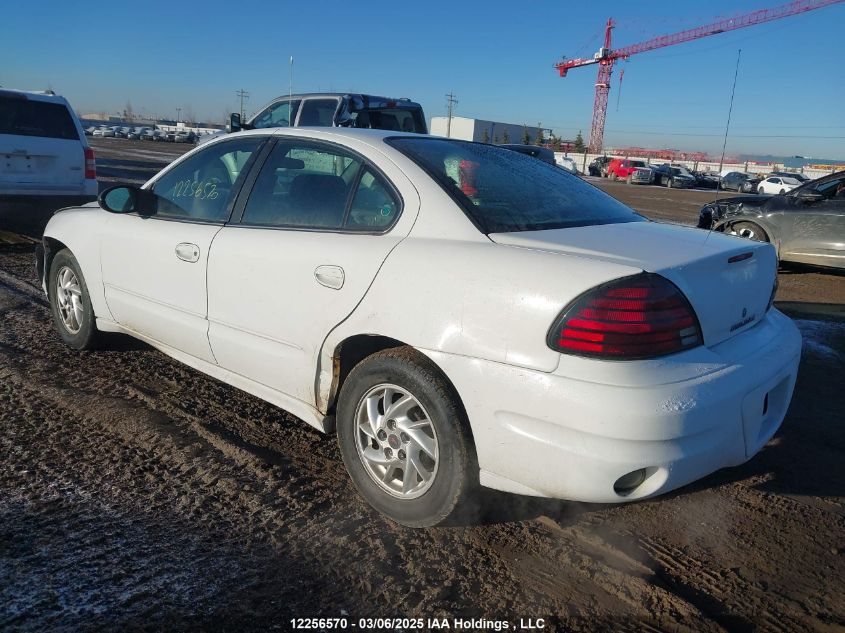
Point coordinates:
[[178, 111]]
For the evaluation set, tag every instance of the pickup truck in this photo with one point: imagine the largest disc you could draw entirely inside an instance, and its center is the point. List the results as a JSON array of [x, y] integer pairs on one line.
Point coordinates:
[[330, 109], [634, 171]]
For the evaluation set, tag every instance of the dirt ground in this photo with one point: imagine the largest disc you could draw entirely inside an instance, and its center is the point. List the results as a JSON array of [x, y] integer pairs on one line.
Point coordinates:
[[138, 494]]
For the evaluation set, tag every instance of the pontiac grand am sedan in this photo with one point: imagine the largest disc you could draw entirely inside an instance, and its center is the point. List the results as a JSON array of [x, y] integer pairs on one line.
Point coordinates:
[[459, 313]]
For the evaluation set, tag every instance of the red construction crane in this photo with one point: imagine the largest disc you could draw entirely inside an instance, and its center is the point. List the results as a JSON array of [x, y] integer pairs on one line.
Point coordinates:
[[606, 56]]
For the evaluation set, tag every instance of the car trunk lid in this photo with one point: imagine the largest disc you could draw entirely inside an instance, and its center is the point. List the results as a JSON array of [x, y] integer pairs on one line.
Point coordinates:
[[41, 161], [728, 280]]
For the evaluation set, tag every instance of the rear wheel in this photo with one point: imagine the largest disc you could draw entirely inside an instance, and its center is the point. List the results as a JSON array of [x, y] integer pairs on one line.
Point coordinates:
[[748, 230], [760, 191], [70, 302], [404, 438], [669, 183]]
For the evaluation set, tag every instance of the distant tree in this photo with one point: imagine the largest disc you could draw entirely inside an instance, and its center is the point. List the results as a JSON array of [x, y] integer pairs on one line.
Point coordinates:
[[526, 137], [578, 146], [554, 141], [485, 138], [506, 138], [539, 139], [128, 113], [496, 139]]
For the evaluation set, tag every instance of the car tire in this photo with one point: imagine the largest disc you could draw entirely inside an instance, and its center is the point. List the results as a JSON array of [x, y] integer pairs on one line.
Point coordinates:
[[760, 191], [430, 428], [781, 192], [669, 183], [749, 230], [70, 303], [628, 180]]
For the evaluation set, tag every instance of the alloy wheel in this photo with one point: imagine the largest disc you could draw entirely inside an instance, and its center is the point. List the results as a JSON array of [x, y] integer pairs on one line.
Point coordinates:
[[69, 298], [396, 441]]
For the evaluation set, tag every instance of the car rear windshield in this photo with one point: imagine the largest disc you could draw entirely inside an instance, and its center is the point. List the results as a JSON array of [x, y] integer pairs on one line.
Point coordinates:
[[28, 117], [397, 119], [504, 191]]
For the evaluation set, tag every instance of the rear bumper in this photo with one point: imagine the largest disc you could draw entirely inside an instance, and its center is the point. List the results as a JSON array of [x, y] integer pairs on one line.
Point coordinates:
[[86, 189], [678, 418]]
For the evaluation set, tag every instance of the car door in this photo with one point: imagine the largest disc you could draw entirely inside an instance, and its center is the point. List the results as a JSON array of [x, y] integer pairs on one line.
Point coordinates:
[[154, 267], [816, 232], [319, 222]]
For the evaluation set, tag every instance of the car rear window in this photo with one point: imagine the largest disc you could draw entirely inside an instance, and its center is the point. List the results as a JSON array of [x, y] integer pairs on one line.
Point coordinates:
[[504, 191], [28, 117], [397, 119]]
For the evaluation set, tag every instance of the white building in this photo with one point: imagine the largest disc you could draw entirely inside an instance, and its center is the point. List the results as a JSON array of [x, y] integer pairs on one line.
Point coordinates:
[[473, 130]]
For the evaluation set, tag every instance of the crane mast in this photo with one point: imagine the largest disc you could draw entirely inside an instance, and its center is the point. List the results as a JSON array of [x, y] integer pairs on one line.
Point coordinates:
[[607, 56]]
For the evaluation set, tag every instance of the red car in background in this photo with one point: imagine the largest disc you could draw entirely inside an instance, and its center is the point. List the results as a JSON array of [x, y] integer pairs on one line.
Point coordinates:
[[631, 170]]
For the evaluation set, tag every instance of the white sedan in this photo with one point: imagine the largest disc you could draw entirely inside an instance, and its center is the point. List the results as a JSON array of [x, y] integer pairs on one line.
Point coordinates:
[[777, 185], [459, 313]]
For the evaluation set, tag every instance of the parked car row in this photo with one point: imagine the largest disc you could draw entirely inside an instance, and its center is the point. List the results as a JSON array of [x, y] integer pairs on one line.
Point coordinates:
[[635, 171], [142, 133]]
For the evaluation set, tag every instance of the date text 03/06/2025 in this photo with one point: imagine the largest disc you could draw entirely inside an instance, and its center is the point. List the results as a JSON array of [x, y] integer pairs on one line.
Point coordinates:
[[428, 624]]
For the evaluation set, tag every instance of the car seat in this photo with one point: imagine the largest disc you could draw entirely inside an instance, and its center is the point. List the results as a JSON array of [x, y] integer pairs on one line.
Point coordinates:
[[318, 199]]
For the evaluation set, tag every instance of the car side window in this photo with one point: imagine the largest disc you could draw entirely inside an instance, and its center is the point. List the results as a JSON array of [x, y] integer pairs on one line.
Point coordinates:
[[374, 207], [302, 185], [318, 112], [201, 187], [320, 187], [280, 114]]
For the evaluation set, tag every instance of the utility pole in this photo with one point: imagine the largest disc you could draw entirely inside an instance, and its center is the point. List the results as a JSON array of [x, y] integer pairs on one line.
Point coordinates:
[[178, 110], [450, 104], [242, 94]]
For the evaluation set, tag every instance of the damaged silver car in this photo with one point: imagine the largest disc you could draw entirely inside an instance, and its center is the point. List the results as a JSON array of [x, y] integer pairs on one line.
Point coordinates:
[[805, 225]]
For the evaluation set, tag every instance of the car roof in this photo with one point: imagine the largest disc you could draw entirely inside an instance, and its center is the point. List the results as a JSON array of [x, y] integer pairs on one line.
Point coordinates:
[[33, 95], [340, 132]]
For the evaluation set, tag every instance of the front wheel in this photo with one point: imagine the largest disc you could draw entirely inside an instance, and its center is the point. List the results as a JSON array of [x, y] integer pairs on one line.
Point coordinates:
[[70, 302], [781, 192], [405, 439], [760, 191], [669, 183], [749, 231]]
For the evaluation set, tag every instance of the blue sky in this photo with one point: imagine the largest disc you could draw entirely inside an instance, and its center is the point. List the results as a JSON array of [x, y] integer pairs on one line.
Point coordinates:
[[496, 57]]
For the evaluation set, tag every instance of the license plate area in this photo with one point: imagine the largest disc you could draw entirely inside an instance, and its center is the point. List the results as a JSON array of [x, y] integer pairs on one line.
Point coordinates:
[[763, 410]]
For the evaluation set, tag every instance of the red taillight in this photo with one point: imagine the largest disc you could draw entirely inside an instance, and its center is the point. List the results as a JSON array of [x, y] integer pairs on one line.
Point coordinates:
[[644, 316], [90, 164]]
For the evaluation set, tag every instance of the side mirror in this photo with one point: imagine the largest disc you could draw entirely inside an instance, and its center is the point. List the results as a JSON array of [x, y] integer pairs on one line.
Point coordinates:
[[235, 122], [127, 199], [810, 196]]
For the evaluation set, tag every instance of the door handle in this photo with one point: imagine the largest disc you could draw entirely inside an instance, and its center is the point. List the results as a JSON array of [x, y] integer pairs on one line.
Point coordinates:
[[188, 252], [330, 276]]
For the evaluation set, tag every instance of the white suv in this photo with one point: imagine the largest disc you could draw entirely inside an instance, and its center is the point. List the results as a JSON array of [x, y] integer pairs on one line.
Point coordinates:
[[43, 149]]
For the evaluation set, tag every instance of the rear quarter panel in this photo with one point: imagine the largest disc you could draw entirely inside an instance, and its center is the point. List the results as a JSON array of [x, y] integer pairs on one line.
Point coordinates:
[[471, 298]]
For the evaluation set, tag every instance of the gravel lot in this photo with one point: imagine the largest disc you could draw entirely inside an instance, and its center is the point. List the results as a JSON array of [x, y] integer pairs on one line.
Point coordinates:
[[138, 494]]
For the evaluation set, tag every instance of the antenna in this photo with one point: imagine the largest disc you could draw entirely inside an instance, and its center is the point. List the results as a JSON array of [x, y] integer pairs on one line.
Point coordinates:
[[290, 90], [725, 143], [728, 124]]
